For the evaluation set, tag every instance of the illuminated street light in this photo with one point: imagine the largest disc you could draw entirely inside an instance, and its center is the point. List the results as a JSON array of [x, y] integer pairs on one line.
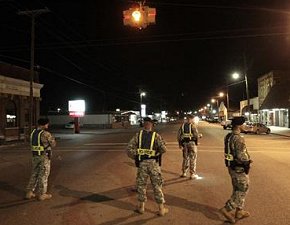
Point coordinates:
[[139, 17], [237, 76], [221, 94], [136, 15]]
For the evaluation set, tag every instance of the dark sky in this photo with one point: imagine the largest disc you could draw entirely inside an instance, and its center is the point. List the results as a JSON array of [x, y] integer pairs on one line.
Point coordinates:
[[84, 51]]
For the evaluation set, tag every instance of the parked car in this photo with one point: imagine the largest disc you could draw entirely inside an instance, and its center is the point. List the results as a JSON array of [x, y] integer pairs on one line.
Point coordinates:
[[226, 124], [70, 125], [256, 128]]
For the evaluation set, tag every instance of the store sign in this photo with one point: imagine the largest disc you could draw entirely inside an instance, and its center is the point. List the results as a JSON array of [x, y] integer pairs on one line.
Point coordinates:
[[76, 114], [76, 108]]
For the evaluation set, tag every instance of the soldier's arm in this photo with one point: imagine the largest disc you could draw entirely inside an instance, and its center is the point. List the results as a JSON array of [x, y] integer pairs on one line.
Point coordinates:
[[132, 147], [161, 144], [241, 150], [48, 140], [195, 132], [179, 135]]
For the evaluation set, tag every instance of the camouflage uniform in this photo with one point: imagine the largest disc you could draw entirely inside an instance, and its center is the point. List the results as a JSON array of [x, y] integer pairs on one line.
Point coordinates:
[[148, 168], [238, 161], [41, 165], [189, 147]]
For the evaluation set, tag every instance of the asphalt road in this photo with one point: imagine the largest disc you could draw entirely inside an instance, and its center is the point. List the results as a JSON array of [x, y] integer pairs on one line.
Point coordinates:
[[92, 181]]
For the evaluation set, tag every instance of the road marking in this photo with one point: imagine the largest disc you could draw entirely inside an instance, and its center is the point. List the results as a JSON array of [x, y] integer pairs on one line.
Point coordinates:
[[107, 143]]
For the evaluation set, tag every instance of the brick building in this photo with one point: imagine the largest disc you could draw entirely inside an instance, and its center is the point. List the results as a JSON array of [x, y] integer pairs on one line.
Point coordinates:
[[14, 101]]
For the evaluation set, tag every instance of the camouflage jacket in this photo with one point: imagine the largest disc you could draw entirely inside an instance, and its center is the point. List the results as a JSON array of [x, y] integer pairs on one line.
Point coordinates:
[[239, 147], [159, 145], [48, 140]]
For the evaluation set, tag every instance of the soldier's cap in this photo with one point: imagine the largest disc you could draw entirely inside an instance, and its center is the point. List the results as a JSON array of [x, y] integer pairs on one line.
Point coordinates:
[[238, 120], [43, 121], [190, 116], [148, 119]]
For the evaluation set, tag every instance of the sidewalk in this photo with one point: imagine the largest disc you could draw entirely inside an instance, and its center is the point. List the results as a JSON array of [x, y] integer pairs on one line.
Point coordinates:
[[283, 131]]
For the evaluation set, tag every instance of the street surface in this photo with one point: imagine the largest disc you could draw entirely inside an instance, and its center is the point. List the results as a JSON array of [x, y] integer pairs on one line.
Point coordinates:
[[92, 181]]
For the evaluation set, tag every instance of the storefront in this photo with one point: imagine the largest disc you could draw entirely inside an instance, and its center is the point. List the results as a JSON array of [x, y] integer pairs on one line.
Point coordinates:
[[274, 111]]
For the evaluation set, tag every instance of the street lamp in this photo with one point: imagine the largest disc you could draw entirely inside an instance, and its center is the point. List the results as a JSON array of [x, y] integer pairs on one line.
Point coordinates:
[[237, 76]]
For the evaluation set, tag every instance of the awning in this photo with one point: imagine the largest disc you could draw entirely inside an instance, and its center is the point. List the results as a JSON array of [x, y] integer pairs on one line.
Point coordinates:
[[278, 97]]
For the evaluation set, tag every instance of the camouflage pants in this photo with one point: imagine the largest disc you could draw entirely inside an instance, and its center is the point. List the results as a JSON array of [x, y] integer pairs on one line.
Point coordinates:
[[240, 182], [149, 169], [189, 157], [39, 176]]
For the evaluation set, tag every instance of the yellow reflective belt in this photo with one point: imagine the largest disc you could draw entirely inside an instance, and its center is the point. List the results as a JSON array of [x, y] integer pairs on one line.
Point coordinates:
[[149, 152]]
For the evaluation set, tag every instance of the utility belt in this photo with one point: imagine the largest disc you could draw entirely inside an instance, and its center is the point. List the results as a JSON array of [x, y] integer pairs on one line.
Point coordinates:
[[238, 167], [39, 151], [147, 154], [188, 140]]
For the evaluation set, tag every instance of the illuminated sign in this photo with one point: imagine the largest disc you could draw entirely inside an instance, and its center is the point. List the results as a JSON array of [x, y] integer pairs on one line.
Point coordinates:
[[143, 110], [76, 108], [76, 114]]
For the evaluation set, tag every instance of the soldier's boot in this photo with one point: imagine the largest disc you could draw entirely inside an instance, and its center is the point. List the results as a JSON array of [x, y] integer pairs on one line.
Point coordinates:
[[228, 214], [44, 197], [162, 210], [193, 176], [183, 174], [141, 207], [29, 195], [241, 214]]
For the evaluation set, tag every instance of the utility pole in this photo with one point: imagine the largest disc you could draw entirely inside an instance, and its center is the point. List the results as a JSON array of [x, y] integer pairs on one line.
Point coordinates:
[[247, 87], [32, 14]]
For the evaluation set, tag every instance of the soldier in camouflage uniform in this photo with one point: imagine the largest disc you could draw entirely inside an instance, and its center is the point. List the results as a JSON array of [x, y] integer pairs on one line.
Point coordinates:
[[146, 148], [187, 138], [238, 162], [41, 143]]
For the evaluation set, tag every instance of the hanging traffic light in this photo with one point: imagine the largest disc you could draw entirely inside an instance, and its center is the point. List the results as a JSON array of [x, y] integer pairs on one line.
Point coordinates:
[[139, 17]]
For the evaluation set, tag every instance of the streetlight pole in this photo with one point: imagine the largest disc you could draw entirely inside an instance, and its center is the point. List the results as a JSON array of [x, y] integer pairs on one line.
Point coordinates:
[[32, 14], [228, 100], [248, 96], [236, 76], [247, 86]]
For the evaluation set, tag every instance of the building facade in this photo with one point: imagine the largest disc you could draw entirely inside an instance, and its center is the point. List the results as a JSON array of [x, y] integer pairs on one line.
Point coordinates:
[[274, 98], [14, 101]]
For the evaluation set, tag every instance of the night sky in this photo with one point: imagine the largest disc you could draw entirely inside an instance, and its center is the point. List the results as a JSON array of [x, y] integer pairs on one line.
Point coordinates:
[[83, 50]]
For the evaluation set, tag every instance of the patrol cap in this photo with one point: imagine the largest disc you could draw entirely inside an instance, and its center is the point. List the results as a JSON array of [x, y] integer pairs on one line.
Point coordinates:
[[43, 121], [239, 120], [148, 119], [190, 116]]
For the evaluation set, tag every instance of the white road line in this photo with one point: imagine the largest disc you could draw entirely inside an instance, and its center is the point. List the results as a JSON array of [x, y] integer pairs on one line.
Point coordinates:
[[169, 145], [218, 150]]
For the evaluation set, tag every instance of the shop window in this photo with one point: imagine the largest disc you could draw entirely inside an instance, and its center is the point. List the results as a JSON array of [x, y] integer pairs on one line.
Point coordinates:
[[11, 112]]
